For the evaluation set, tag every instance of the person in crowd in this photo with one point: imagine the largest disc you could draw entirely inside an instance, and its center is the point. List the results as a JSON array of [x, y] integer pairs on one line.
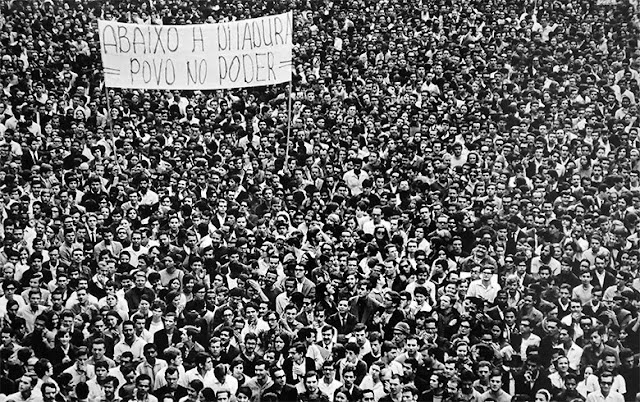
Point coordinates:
[[442, 203]]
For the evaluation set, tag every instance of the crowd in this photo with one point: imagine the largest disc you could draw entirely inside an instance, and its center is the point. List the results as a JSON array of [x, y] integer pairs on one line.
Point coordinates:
[[450, 210]]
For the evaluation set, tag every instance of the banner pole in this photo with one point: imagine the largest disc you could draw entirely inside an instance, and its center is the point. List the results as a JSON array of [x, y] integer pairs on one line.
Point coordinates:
[[286, 156]]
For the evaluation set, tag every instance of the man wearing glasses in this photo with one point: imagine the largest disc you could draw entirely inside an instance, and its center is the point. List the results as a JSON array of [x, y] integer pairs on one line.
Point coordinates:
[[605, 394], [284, 391]]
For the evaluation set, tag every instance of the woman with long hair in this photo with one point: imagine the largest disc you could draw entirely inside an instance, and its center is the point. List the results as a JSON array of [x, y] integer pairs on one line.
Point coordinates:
[[325, 297], [281, 345], [381, 237], [173, 300]]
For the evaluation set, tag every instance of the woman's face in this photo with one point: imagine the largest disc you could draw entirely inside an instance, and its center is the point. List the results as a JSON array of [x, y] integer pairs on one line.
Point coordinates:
[[563, 365], [175, 284], [241, 398], [540, 397], [340, 397], [279, 344], [65, 339]]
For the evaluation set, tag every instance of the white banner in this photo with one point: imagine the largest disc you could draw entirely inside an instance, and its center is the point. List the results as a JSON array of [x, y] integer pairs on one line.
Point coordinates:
[[237, 54]]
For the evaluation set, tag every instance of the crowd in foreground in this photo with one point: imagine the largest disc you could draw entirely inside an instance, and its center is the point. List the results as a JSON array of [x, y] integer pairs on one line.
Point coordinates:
[[452, 212]]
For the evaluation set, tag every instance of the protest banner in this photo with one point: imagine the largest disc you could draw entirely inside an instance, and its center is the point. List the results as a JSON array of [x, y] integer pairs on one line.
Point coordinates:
[[245, 53]]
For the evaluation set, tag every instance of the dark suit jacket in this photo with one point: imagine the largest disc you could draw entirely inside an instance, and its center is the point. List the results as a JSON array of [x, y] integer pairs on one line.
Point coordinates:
[[287, 366], [109, 343], [307, 287], [360, 371], [303, 319], [177, 393], [162, 341], [350, 322], [28, 161], [355, 394], [57, 355], [362, 308], [427, 396], [286, 394], [396, 317], [609, 280], [525, 388], [227, 356]]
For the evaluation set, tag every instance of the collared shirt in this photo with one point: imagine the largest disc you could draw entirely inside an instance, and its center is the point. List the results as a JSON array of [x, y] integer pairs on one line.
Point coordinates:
[[208, 379], [485, 292], [151, 371], [78, 376], [230, 383], [17, 397], [136, 348], [329, 389], [354, 181], [257, 328], [30, 316], [574, 354], [598, 397]]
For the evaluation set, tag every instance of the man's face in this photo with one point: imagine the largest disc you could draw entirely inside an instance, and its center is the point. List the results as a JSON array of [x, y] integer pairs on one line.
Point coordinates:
[[394, 386], [144, 386], [128, 331], [101, 373], [349, 378], [98, 350], [610, 363], [280, 378], [109, 390], [495, 383], [412, 347], [34, 299], [311, 383], [361, 337], [343, 306], [25, 384], [261, 372]]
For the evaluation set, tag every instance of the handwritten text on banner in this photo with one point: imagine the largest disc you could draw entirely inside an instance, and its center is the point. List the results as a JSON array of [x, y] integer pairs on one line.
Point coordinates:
[[237, 54]]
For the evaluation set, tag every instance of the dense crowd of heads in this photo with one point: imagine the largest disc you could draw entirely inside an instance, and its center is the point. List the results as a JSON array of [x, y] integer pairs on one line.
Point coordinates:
[[449, 211]]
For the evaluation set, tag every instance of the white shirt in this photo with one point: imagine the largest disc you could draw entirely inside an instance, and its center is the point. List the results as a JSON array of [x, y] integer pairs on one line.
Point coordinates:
[[478, 289], [136, 348], [258, 328], [208, 379], [3, 303], [230, 383], [598, 397], [329, 389], [574, 354], [532, 340]]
